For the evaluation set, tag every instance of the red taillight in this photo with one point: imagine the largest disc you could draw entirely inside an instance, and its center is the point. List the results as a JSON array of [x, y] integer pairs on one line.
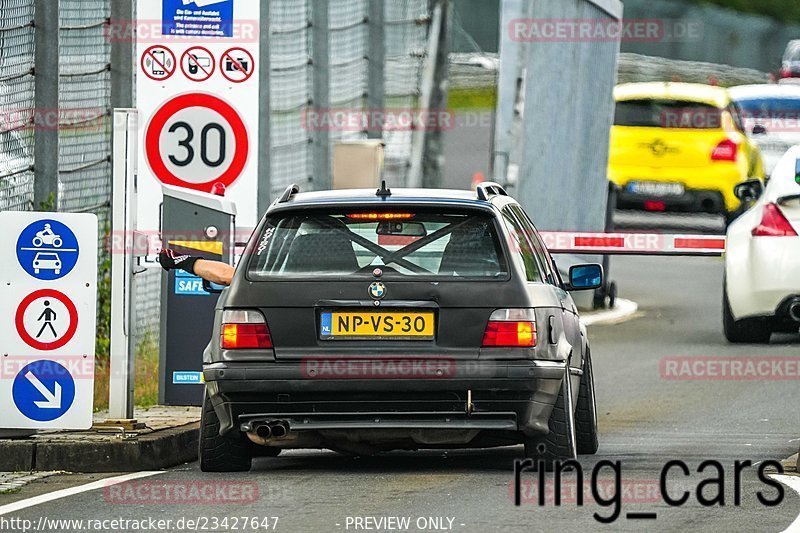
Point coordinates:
[[655, 206], [786, 72], [727, 150], [511, 328], [380, 216], [244, 330], [773, 224]]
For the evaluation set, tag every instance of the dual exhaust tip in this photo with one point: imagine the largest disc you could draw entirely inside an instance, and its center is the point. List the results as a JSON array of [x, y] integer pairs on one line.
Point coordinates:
[[273, 430]]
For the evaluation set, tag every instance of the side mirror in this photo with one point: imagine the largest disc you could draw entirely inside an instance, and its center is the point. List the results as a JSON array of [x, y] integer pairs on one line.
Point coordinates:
[[759, 129], [797, 172], [749, 191], [585, 277], [212, 288]]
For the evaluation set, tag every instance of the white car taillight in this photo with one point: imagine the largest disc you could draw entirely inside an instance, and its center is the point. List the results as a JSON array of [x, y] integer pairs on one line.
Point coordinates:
[[511, 328], [244, 329]]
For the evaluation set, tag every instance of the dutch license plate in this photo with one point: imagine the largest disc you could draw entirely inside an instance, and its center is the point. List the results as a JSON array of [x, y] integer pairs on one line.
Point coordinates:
[[354, 325], [655, 188]]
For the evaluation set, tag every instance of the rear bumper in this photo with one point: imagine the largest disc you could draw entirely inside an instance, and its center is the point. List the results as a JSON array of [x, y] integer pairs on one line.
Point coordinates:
[[760, 272], [691, 201], [505, 395]]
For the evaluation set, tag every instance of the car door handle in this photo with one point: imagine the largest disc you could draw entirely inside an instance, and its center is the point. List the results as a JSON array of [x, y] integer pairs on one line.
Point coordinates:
[[551, 329]]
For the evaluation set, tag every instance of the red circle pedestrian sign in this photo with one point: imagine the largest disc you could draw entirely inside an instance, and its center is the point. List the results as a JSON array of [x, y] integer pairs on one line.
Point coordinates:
[[237, 65], [46, 319], [195, 141], [158, 63], [198, 64]]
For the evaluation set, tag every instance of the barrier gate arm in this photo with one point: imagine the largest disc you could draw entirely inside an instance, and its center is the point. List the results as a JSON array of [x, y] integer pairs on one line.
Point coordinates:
[[654, 244]]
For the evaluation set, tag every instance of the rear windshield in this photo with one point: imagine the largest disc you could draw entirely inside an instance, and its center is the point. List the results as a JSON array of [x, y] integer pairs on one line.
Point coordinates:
[[667, 114], [770, 107], [792, 52], [402, 244]]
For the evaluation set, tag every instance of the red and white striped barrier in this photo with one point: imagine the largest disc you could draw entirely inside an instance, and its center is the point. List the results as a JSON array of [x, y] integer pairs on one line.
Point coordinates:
[[634, 243]]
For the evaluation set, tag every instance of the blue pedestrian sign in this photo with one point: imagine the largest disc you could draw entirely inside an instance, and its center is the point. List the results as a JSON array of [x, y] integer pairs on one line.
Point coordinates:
[[43, 391], [47, 250]]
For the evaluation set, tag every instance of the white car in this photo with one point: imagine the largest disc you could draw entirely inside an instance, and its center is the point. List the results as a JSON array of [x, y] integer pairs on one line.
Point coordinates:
[[47, 261], [762, 258], [771, 118]]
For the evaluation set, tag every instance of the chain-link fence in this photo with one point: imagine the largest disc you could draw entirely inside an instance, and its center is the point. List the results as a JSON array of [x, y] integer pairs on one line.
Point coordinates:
[[405, 30], [84, 164], [16, 104]]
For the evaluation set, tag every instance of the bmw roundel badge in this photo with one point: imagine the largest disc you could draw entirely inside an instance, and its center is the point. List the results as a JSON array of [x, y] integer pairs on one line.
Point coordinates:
[[377, 290]]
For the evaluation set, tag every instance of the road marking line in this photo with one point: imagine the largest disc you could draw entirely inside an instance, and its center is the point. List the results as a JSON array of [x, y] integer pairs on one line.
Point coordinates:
[[72, 491], [793, 482]]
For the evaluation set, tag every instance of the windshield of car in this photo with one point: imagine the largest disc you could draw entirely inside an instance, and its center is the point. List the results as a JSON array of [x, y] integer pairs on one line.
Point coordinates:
[[401, 244], [652, 113]]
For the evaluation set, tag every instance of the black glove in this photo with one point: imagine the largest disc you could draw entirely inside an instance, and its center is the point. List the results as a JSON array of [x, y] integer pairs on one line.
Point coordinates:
[[170, 261]]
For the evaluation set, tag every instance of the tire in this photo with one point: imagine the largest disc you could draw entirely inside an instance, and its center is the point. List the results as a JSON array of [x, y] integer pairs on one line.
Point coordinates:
[[221, 453], [745, 331], [559, 443], [586, 440]]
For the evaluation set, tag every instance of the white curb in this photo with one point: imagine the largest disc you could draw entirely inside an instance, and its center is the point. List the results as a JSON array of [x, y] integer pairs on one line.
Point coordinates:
[[623, 310]]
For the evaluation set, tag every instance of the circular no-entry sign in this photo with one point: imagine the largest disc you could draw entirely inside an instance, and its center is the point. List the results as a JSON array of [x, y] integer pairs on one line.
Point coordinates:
[[195, 141], [158, 63], [46, 319]]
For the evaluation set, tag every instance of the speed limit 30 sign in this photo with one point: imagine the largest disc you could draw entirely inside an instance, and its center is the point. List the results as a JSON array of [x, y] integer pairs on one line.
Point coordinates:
[[201, 107], [196, 141]]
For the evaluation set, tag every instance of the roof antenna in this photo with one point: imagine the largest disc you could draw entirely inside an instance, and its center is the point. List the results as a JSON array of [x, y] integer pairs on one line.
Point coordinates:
[[384, 191]]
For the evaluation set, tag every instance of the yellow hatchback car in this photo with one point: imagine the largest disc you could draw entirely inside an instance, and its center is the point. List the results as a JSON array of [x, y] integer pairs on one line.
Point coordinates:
[[679, 147]]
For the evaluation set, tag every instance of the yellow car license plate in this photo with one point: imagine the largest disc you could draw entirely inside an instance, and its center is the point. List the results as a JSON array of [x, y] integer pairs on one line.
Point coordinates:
[[352, 325]]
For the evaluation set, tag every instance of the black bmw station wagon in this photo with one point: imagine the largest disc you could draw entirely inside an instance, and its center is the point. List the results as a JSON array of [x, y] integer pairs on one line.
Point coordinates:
[[364, 321]]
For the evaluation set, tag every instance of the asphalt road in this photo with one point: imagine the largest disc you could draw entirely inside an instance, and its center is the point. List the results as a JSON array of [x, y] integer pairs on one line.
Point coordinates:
[[645, 421]]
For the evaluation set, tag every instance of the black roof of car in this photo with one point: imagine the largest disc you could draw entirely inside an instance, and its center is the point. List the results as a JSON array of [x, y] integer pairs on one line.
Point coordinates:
[[398, 196]]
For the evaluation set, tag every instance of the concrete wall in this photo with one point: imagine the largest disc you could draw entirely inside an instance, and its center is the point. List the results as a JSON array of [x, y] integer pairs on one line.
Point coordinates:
[[568, 108]]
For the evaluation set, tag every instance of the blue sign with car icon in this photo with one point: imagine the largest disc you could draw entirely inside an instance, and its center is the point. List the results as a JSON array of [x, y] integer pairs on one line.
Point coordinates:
[[47, 250]]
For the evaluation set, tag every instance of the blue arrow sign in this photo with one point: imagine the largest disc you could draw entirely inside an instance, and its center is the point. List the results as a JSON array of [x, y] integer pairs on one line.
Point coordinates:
[[43, 391], [47, 250]]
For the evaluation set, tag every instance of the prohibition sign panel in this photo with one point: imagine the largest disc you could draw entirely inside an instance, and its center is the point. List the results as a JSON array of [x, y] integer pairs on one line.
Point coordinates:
[[46, 319], [158, 63], [198, 64], [195, 141], [237, 65]]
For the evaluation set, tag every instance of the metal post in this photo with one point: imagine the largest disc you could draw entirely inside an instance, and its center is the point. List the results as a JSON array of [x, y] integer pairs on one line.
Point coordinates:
[[376, 55], [122, 53], [46, 112], [320, 36], [123, 288], [264, 114], [433, 157], [508, 87], [426, 93]]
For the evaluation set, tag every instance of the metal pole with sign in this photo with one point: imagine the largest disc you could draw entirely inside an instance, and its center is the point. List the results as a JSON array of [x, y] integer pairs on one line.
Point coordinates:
[[123, 251], [48, 295]]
